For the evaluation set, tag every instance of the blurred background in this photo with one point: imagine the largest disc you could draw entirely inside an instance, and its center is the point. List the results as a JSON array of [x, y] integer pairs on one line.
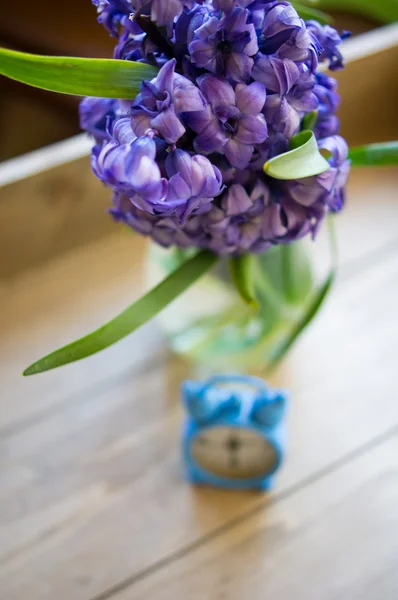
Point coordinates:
[[32, 118]]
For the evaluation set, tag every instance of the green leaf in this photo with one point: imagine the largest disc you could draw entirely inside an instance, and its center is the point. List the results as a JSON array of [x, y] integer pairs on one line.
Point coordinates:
[[308, 13], [375, 155], [106, 78], [288, 269], [312, 310], [381, 10], [243, 276], [304, 160], [309, 121], [132, 318], [296, 273], [314, 305]]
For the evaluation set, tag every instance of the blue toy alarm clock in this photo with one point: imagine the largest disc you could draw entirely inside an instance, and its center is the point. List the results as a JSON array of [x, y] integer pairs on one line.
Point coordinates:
[[234, 431]]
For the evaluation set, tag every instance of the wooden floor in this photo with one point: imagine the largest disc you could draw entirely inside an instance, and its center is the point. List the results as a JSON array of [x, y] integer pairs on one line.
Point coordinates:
[[93, 503]]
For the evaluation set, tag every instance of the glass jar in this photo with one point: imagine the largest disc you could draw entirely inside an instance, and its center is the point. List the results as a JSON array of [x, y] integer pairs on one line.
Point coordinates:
[[212, 326]]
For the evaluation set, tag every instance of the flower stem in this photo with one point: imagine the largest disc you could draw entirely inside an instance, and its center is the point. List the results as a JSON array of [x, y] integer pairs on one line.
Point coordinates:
[[154, 34]]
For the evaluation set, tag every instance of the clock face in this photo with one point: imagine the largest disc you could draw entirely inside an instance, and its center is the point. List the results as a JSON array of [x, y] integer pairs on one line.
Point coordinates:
[[233, 452]]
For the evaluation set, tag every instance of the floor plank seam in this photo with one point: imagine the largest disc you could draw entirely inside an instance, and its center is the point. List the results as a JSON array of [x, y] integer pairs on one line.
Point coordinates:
[[328, 470]]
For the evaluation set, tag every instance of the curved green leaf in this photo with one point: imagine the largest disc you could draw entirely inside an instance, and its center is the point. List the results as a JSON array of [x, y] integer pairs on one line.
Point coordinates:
[[309, 13], [132, 318], [304, 160], [243, 275], [375, 155], [106, 78]]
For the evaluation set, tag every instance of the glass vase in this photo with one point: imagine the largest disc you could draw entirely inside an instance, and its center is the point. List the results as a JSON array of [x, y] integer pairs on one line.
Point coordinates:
[[213, 327]]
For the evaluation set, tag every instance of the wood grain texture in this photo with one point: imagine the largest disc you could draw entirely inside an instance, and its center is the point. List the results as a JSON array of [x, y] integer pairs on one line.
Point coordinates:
[[335, 539], [374, 118], [66, 204], [51, 305], [93, 494]]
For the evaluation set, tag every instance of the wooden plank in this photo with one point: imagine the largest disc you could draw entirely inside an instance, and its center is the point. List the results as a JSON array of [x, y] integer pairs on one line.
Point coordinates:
[[94, 495], [64, 299], [367, 110], [337, 538], [50, 306], [51, 212]]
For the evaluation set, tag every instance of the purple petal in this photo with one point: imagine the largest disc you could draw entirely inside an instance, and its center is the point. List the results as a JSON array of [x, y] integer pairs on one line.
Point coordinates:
[[186, 96], [179, 191], [261, 192], [264, 72], [180, 162], [338, 148], [239, 67], [305, 102], [206, 178], [239, 155], [123, 132], [203, 54], [140, 121], [252, 130], [236, 201], [287, 73], [164, 79], [168, 125], [307, 191], [250, 99], [217, 91], [252, 47], [163, 13], [272, 226], [211, 139]]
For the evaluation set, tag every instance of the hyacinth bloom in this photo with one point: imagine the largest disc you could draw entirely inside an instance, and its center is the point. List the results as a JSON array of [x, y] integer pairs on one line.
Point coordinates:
[[236, 80], [161, 101], [226, 45], [232, 122]]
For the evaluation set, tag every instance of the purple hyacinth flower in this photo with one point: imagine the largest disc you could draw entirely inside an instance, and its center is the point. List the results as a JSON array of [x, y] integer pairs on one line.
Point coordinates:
[[226, 46], [280, 16], [327, 189], [236, 225], [193, 177], [162, 101], [230, 5], [133, 47], [194, 182], [127, 164], [328, 39], [187, 24], [164, 230], [130, 166], [325, 90], [278, 75], [339, 171], [94, 114], [232, 122], [163, 12], [115, 13], [281, 118], [289, 83], [284, 35]]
